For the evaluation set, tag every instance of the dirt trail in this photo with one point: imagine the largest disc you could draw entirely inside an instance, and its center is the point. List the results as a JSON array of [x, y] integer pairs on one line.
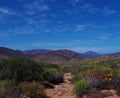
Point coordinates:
[[63, 90], [114, 92]]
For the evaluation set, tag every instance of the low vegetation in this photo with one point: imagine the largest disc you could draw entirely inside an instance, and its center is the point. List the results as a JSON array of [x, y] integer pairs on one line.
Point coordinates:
[[81, 87], [90, 78], [23, 78], [20, 70]]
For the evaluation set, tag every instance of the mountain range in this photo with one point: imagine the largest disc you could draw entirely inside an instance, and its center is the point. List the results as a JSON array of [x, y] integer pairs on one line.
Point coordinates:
[[36, 51], [6, 53], [52, 56]]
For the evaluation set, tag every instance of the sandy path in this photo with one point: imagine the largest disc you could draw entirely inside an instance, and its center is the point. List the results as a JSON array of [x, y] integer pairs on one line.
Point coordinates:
[[63, 90]]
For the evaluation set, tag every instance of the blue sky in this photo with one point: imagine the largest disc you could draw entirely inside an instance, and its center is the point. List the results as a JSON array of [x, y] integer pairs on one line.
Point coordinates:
[[79, 25]]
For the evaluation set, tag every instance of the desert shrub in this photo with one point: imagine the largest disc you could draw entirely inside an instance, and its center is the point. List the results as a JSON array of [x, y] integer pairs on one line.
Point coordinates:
[[118, 73], [75, 78], [81, 87], [85, 67], [54, 76], [114, 66], [52, 70], [8, 83], [8, 89], [99, 94], [92, 81], [20, 69], [80, 75], [49, 66], [101, 67], [66, 69], [32, 90], [108, 80], [99, 79]]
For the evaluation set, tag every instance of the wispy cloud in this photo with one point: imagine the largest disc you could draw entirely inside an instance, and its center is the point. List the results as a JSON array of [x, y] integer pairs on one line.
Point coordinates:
[[75, 2], [70, 11], [100, 26], [69, 46], [25, 31], [34, 21], [3, 34], [57, 29], [20, 0], [38, 44], [36, 6], [6, 11], [107, 11], [89, 8], [85, 49], [80, 27], [103, 37]]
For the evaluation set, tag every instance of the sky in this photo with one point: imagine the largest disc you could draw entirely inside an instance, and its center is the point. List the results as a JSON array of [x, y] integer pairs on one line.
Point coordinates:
[[78, 25]]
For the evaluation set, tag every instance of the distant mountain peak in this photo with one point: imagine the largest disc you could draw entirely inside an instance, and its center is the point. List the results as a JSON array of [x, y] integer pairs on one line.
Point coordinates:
[[91, 54], [36, 51]]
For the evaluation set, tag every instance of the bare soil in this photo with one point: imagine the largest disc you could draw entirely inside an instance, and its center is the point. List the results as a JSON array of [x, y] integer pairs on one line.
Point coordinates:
[[63, 90]]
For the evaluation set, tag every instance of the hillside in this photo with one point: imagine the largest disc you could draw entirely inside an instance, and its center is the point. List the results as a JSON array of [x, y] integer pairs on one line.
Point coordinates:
[[58, 56], [6, 53], [104, 60], [63, 56]]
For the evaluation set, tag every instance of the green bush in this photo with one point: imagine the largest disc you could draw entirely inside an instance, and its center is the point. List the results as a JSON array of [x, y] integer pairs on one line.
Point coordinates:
[[66, 69], [20, 69], [118, 73], [81, 87], [32, 90], [48, 66], [54, 76]]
